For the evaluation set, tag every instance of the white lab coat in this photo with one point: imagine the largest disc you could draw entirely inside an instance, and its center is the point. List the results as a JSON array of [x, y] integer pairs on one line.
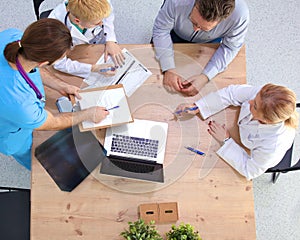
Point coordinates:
[[267, 142], [107, 34]]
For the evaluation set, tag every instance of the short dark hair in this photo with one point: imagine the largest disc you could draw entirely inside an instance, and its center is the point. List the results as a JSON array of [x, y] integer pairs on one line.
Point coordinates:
[[215, 10], [44, 40]]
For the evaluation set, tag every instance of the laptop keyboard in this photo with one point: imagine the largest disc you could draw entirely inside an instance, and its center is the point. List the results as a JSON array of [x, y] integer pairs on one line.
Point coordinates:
[[135, 146], [133, 167]]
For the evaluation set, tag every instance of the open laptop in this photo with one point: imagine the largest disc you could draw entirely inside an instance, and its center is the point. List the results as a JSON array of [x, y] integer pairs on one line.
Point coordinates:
[[136, 150]]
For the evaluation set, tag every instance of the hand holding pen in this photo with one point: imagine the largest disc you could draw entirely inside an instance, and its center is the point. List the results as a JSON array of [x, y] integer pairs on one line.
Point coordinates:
[[105, 69], [186, 108], [112, 108]]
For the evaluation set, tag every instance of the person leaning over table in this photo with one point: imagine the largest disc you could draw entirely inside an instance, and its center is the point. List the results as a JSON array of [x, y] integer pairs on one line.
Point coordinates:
[[199, 21], [90, 22], [22, 61], [267, 123]]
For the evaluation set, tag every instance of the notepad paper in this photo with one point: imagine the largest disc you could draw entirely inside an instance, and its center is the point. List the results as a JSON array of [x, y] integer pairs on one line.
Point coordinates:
[[107, 97], [132, 74]]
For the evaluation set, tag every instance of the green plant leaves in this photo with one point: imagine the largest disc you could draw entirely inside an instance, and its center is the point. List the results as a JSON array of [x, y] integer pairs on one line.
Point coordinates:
[[140, 231], [183, 232]]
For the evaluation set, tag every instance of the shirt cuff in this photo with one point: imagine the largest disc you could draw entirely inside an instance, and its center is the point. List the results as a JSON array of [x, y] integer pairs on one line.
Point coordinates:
[[110, 39], [167, 63], [225, 149], [210, 71]]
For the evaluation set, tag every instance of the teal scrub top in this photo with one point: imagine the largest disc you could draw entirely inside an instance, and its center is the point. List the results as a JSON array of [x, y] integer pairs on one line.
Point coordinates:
[[20, 109]]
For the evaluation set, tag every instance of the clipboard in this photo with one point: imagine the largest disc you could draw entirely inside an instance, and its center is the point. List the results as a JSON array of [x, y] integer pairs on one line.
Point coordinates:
[[108, 97]]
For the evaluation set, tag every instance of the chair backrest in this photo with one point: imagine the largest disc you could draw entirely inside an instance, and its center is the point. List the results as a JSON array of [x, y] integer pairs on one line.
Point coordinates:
[[15, 213], [285, 163], [36, 4]]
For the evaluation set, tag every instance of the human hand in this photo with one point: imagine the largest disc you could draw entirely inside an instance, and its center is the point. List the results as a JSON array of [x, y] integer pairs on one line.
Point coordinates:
[[186, 109], [68, 89], [192, 86], [113, 49], [218, 131], [96, 114], [172, 81], [98, 67]]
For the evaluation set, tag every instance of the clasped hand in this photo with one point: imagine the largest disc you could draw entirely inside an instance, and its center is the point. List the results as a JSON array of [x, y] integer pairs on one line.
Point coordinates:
[[173, 82]]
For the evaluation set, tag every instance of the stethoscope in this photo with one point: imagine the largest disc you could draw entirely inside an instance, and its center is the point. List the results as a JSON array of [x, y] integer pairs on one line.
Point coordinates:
[[29, 81], [96, 31]]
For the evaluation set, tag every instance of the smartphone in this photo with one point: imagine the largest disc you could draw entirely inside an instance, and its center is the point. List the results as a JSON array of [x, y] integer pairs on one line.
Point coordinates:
[[64, 104]]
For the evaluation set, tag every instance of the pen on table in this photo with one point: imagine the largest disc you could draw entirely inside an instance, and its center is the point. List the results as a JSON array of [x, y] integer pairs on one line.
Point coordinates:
[[187, 109], [195, 150], [107, 109], [108, 69]]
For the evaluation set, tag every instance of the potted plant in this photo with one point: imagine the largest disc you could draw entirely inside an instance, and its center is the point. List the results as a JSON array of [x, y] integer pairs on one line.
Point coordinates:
[[139, 230], [183, 232]]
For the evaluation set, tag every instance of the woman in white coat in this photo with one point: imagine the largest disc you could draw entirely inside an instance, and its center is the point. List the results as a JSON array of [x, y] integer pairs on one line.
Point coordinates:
[[267, 124], [89, 22]]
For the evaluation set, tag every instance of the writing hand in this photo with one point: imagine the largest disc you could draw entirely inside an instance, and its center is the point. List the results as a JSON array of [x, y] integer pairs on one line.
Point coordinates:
[[96, 114], [99, 67], [186, 109]]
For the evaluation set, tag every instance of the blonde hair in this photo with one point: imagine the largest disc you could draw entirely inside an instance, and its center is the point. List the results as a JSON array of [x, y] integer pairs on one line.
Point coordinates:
[[89, 10], [278, 104]]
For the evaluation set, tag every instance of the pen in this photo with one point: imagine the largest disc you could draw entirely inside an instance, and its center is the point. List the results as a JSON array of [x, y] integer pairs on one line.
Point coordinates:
[[108, 69], [186, 109], [124, 74], [195, 150], [107, 109]]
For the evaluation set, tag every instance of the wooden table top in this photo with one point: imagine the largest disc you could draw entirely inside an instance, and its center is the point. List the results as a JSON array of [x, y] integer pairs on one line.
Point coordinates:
[[211, 196]]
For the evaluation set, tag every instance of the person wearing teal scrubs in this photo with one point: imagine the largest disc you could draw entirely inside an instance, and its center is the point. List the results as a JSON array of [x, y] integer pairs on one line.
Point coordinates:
[[23, 65]]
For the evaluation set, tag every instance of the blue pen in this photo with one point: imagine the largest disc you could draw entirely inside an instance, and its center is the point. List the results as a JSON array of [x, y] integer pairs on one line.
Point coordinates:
[[108, 69], [186, 109], [107, 109], [195, 150]]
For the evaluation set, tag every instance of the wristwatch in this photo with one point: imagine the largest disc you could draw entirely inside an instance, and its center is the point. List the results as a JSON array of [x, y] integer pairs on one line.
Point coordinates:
[[225, 140]]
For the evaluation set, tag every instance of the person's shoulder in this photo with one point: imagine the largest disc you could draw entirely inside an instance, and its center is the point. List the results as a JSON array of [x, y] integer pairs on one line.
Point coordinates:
[[179, 3], [10, 35], [11, 31], [241, 9]]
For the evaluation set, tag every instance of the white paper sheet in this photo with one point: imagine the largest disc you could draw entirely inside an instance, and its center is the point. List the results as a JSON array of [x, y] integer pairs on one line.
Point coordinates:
[[132, 74]]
